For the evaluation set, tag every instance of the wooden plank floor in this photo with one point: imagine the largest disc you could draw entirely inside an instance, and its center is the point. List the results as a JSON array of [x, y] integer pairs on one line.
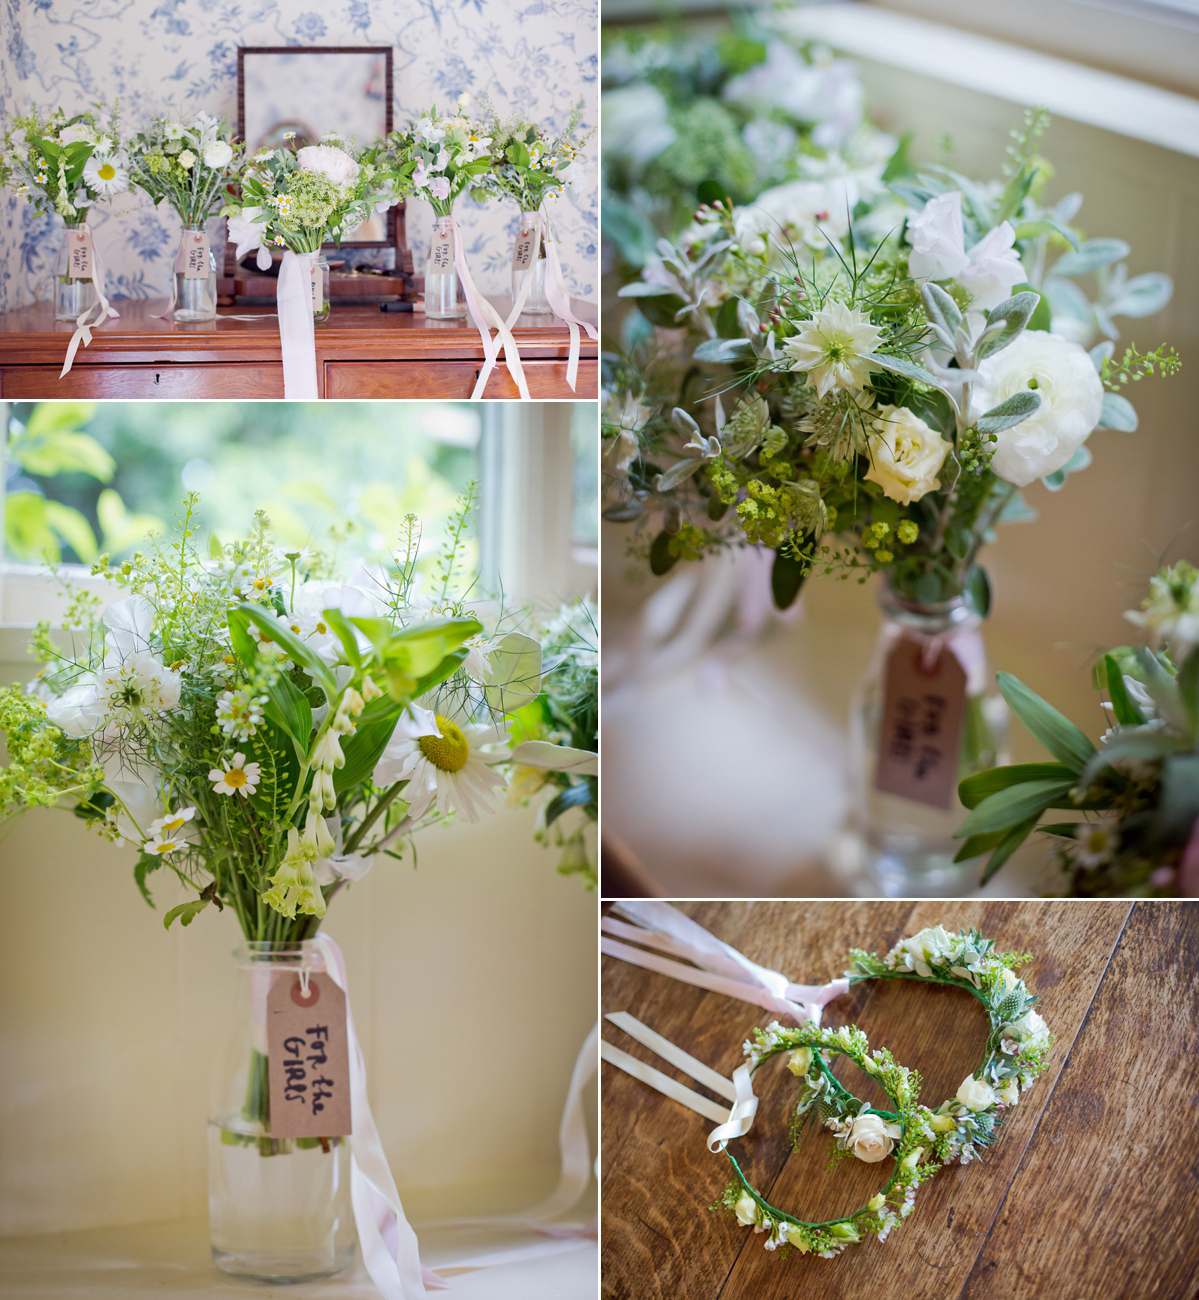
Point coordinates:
[[1091, 1191]]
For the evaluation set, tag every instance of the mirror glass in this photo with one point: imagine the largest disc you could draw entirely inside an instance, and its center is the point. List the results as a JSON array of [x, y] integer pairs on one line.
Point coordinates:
[[313, 92]]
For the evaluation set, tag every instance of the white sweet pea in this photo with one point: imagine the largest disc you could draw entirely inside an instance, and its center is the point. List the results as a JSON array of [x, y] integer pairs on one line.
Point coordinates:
[[994, 268], [934, 943], [746, 1210], [246, 232], [1071, 395], [906, 455], [988, 270]]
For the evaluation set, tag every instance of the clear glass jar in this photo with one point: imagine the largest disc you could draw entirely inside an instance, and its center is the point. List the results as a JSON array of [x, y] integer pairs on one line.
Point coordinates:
[[74, 294], [320, 289], [279, 1208], [909, 845], [536, 303], [441, 279], [195, 276]]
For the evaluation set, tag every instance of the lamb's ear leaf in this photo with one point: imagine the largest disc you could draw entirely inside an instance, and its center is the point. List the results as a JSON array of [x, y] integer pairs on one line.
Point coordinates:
[[1005, 323], [1010, 411]]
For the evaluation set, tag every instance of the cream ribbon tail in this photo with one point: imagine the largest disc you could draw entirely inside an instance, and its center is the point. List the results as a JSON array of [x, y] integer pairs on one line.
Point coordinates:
[[297, 334], [103, 310], [485, 317]]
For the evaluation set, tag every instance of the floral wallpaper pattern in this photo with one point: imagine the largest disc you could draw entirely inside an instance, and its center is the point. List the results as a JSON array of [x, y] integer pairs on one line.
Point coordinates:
[[535, 56]]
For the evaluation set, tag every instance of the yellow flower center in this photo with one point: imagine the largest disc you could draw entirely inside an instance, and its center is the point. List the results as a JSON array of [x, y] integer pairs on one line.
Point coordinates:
[[450, 750], [235, 777], [173, 825], [107, 171]]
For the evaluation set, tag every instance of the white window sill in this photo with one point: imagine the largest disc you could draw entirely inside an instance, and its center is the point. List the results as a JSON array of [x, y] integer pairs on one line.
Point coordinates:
[[1129, 108]]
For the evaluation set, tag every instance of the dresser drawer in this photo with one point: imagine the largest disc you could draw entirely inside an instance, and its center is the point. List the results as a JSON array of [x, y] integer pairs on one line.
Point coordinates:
[[159, 383], [453, 380]]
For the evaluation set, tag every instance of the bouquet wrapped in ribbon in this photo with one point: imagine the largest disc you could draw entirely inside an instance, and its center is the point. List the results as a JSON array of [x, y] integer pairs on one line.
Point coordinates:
[[65, 164], [529, 164], [297, 200], [1123, 814], [187, 163], [445, 156]]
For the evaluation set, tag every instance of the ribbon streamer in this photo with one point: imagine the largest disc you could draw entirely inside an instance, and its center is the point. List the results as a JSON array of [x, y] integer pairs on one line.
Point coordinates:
[[722, 968], [83, 326], [739, 1090], [297, 335], [556, 292], [485, 316]]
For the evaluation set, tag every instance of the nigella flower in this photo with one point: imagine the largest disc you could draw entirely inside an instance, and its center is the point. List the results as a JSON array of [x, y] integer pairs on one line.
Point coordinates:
[[833, 348]]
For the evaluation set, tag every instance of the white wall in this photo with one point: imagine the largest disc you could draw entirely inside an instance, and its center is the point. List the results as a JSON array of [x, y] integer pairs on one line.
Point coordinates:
[[162, 54]]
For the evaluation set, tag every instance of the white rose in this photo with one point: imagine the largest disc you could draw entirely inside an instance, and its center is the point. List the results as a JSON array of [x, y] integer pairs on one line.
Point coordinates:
[[800, 1060], [906, 455], [1071, 395], [1008, 978], [635, 124], [218, 155], [935, 233], [994, 268], [974, 1094], [872, 1138], [746, 1210], [186, 158], [1030, 1030], [330, 161]]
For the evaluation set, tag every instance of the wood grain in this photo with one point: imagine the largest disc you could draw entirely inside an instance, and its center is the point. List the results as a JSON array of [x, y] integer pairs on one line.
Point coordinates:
[[976, 1227]]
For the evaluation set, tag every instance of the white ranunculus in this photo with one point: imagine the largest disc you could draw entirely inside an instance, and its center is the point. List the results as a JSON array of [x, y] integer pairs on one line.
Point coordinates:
[[906, 455], [872, 1138], [330, 161], [218, 155], [938, 244], [994, 269], [1030, 1030], [1071, 395], [974, 1094], [635, 123]]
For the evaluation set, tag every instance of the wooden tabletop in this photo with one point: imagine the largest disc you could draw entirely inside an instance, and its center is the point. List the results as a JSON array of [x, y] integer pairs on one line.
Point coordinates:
[[31, 336], [1091, 1191]]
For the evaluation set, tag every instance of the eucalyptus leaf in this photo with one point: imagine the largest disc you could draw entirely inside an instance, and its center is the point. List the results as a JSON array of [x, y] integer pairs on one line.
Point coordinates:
[[1067, 300], [941, 308], [639, 289], [1143, 295], [1101, 351], [909, 369], [1047, 225], [1090, 256], [678, 473]]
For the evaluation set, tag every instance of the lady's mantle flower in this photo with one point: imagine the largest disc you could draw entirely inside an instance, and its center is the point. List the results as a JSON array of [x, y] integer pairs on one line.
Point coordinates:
[[443, 764], [833, 348], [239, 777]]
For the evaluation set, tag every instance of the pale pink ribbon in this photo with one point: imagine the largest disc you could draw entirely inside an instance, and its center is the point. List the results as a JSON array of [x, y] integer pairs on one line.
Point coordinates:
[[485, 316], [717, 966], [297, 334], [390, 1249], [83, 326], [556, 292]]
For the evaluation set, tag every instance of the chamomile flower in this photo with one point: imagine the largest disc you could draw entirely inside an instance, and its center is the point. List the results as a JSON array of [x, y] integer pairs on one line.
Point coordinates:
[[239, 713], [1094, 843], [443, 763], [163, 844], [169, 827], [105, 175], [239, 777]]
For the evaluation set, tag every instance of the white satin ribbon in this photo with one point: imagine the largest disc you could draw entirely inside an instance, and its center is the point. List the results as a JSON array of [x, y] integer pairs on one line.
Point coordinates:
[[395, 1269], [556, 292], [722, 969], [485, 317], [83, 326], [731, 1124], [297, 334]]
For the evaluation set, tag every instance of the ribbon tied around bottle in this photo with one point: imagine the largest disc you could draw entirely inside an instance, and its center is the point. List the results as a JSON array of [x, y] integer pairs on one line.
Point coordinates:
[[103, 309]]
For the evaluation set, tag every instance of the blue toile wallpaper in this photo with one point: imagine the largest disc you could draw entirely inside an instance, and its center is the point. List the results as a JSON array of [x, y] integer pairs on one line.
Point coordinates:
[[535, 56]]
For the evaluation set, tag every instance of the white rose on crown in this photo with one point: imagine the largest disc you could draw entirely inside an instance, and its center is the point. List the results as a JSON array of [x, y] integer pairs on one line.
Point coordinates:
[[872, 1138], [1071, 393]]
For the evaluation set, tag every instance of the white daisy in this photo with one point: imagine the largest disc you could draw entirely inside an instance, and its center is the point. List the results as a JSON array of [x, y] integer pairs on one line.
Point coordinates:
[[1094, 843], [163, 844], [832, 348], [106, 175], [169, 827], [443, 763], [239, 777]]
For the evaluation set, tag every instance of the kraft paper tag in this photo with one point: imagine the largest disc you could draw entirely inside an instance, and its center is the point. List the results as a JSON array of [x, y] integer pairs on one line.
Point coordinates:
[[82, 254], [192, 262], [443, 252], [522, 252], [923, 707], [308, 1058], [318, 289]]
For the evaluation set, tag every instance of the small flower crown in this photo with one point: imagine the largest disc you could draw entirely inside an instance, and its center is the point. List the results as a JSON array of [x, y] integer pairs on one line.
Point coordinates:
[[1016, 1054]]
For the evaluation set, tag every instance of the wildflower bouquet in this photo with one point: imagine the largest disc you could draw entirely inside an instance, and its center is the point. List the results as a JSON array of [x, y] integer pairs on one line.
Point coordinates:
[[1126, 812], [299, 199], [63, 163], [528, 165], [892, 385], [186, 162], [442, 155], [559, 731], [262, 730]]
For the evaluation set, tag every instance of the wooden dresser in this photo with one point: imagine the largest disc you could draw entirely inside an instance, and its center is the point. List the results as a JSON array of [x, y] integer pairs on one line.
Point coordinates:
[[361, 352]]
